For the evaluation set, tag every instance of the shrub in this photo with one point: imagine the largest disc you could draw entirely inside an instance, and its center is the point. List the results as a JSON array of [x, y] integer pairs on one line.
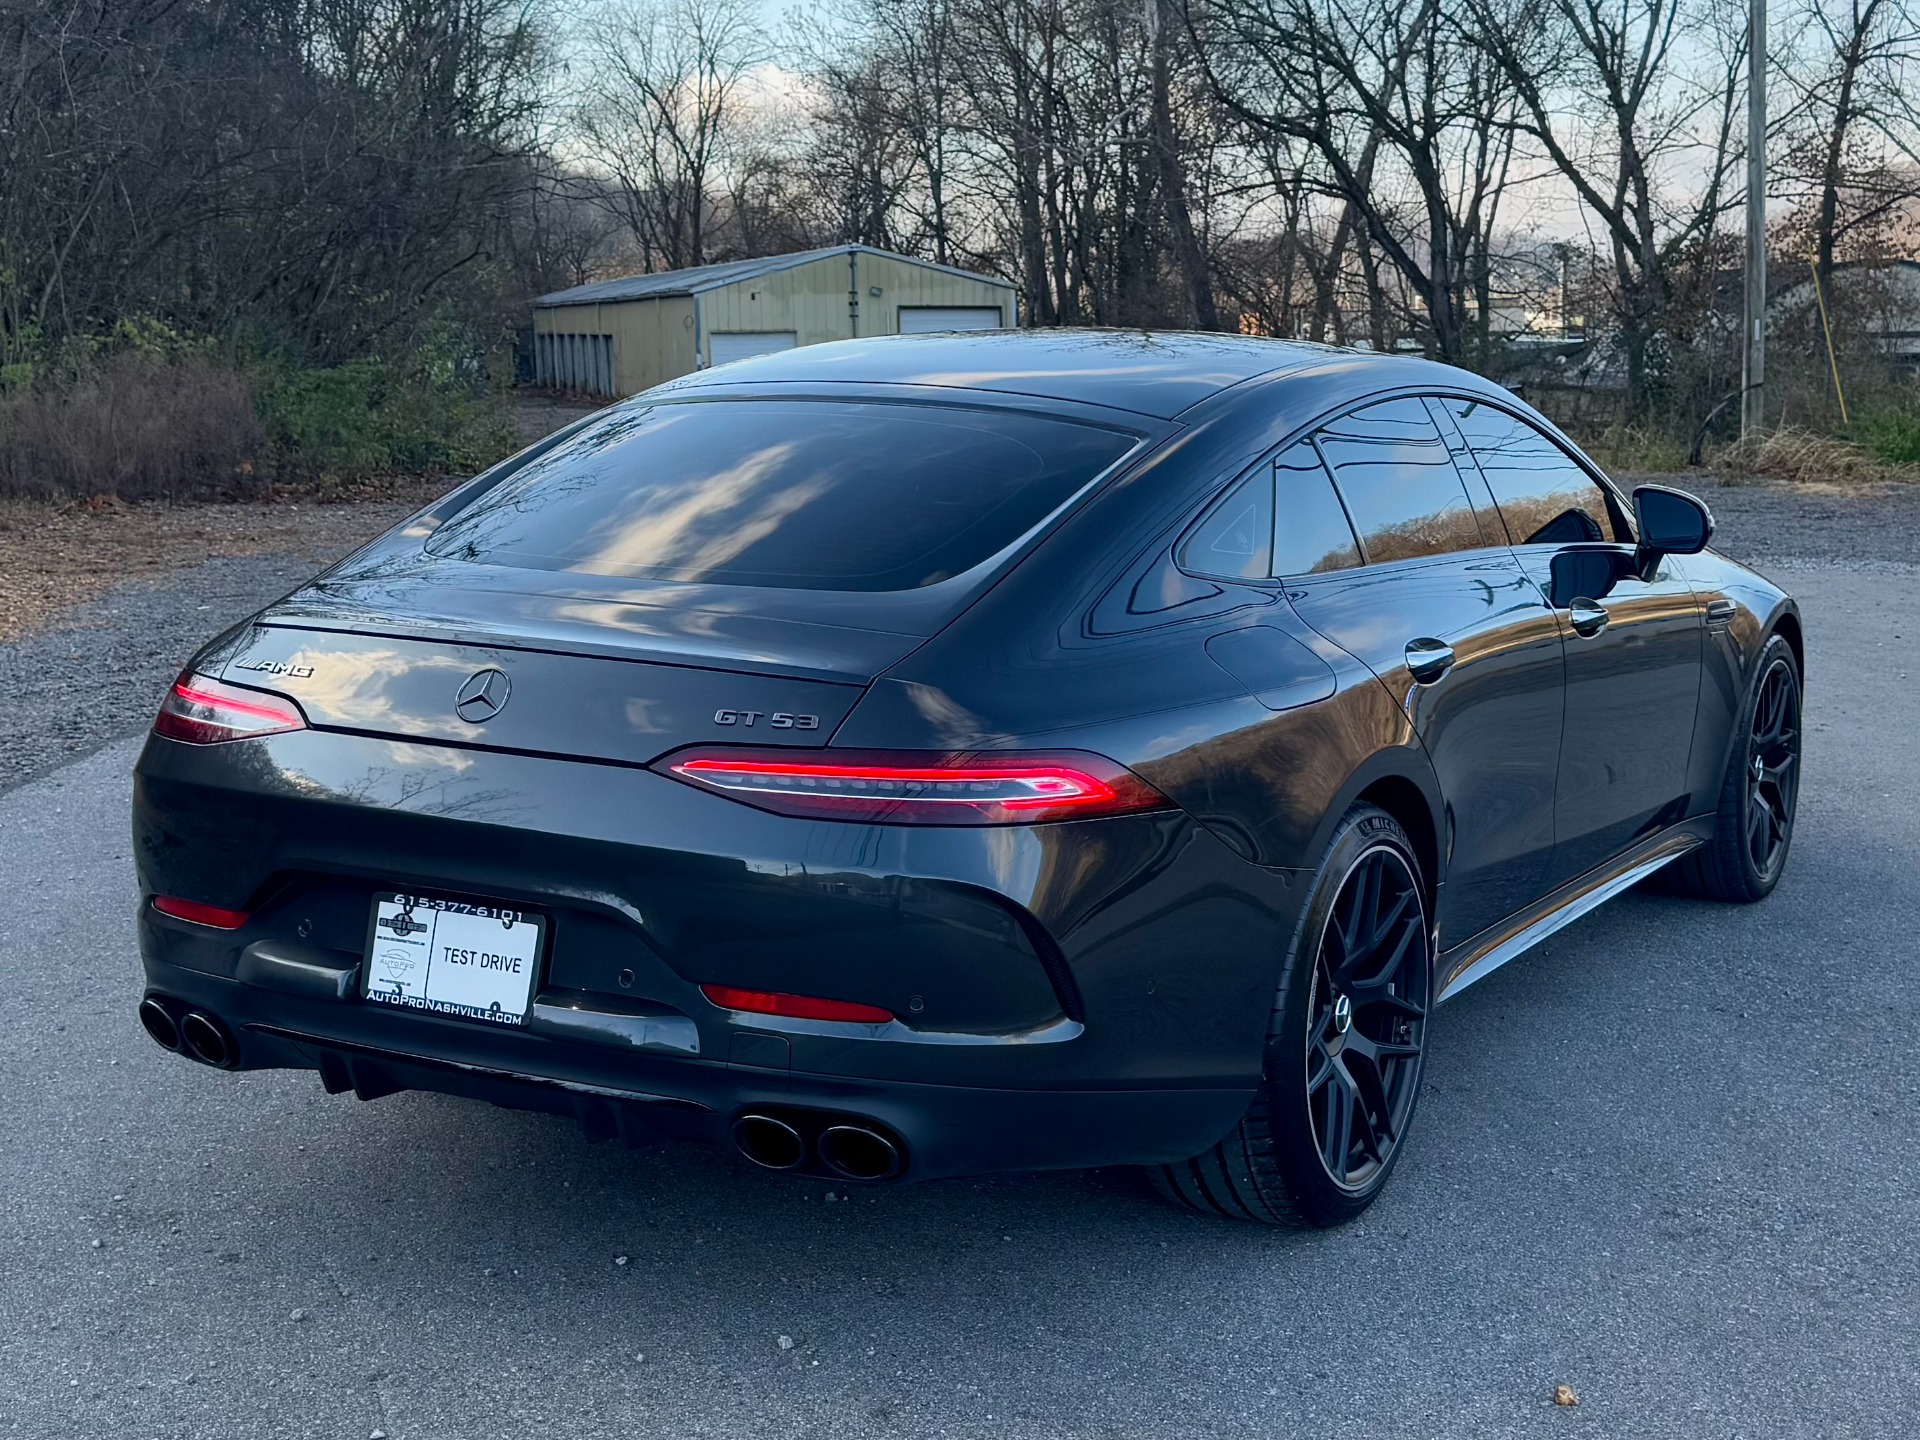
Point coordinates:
[[135, 427], [367, 418], [1892, 435], [145, 416]]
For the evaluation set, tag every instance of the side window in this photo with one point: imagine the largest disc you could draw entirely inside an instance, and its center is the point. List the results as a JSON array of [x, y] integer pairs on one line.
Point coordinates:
[[1310, 529], [1544, 496], [1235, 541], [1399, 483]]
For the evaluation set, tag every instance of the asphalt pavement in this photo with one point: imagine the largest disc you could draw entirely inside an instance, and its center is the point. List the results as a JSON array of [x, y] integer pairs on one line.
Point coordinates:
[[1671, 1159]]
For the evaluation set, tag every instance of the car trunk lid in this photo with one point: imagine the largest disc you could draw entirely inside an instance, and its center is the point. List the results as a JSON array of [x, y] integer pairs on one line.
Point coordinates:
[[555, 674]]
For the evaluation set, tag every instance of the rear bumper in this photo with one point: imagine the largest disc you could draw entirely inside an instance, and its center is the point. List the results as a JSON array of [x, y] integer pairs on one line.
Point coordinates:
[[1068, 995], [943, 1130]]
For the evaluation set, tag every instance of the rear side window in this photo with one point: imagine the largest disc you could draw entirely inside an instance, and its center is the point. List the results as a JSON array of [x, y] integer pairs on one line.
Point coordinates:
[[1545, 496], [1235, 541], [1283, 519], [813, 495], [1310, 532], [1399, 482]]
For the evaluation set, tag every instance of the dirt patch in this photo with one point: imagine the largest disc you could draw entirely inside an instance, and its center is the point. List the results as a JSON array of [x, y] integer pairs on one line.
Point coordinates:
[[54, 557]]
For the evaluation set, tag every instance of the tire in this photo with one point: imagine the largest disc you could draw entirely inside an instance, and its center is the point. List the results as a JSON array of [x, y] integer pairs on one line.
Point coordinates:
[[1754, 802], [1338, 1015]]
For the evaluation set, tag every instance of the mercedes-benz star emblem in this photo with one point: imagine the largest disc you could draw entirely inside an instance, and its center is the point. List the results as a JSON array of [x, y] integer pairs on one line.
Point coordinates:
[[483, 696]]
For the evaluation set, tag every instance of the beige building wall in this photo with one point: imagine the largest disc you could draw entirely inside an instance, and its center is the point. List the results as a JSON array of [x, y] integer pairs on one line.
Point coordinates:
[[653, 339], [811, 300]]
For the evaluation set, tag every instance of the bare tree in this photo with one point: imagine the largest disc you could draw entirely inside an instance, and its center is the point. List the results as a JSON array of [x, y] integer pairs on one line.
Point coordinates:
[[1601, 93], [1852, 155], [660, 110], [1410, 135]]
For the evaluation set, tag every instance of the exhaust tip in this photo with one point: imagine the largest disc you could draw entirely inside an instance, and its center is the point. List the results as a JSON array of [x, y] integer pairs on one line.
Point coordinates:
[[859, 1153], [206, 1040], [158, 1022], [769, 1142]]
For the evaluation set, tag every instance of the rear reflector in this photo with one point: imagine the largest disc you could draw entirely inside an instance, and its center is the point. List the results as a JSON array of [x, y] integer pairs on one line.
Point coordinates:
[[209, 915], [204, 711], [893, 787], [795, 1007]]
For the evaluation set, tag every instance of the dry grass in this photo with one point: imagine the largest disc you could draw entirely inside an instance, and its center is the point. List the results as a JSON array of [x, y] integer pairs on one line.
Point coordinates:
[[137, 429], [53, 557], [1804, 457]]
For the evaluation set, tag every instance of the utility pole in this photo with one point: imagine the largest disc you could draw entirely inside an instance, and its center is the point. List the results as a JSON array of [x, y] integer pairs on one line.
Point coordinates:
[[1753, 350]]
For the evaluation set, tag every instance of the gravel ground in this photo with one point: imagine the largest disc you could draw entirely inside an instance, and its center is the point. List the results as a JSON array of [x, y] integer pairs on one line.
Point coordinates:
[[99, 670], [1670, 1159], [1765, 524], [82, 661]]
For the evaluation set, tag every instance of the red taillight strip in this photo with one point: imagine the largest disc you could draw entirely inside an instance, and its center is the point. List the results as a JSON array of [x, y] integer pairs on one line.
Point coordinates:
[[794, 1007], [200, 710], [909, 788], [211, 916], [1052, 785], [231, 703]]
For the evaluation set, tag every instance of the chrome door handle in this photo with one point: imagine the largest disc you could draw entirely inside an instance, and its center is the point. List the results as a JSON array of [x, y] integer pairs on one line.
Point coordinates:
[[1428, 659], [1589, 617]]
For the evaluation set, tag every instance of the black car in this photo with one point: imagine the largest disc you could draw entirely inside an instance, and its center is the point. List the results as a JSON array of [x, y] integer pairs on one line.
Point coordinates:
[[934, 755]]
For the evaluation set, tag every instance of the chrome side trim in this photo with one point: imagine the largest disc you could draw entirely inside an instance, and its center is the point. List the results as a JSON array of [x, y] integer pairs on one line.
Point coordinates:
[[1589, 895]]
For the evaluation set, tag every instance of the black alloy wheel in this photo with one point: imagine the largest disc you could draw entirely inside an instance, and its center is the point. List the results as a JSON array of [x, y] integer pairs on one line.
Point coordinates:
[[1773, 769], [1369, 1014], [1753, 823], [1341, 1069]]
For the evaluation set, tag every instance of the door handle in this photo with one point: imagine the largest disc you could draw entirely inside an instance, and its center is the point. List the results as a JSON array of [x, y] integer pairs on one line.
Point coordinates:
[[1589, 617], [1428, 659]]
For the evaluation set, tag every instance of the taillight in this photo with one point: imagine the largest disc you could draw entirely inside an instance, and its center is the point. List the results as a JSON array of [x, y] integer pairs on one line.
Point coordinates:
[[892, 787], [796, 1007], [204, 711], [211, 916]]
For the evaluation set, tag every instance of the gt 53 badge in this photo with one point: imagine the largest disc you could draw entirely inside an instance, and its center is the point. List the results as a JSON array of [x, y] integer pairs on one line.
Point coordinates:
[[778, 720]]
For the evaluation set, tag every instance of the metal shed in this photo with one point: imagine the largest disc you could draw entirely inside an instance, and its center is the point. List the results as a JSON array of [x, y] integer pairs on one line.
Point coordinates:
[[618, 337]]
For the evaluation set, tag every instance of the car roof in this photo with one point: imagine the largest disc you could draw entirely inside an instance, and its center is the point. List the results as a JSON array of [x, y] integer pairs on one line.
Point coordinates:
[[1156, 373]]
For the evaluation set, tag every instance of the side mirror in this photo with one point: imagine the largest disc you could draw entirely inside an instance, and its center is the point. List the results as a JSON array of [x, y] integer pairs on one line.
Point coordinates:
[[1671, 522]]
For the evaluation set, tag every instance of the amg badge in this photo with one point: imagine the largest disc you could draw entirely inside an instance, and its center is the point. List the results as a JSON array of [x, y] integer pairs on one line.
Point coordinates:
[[276, 667]]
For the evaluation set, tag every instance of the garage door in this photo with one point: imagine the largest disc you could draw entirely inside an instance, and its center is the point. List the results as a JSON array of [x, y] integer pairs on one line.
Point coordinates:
[[745, 344], [924, 319]]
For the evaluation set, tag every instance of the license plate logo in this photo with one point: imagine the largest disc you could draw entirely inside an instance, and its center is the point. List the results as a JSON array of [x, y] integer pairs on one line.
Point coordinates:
[[450, 957]]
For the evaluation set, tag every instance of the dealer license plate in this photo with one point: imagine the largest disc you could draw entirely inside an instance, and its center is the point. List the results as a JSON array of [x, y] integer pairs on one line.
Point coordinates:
[[471, 959]]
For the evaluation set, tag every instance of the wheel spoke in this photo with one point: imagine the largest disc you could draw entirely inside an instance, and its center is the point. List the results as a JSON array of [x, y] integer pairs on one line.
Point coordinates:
[[1763, 830], [1366, 903], [1337, 1138], [1384, 972], [1319, 1065], [1405, 1006], [1371, 1110]]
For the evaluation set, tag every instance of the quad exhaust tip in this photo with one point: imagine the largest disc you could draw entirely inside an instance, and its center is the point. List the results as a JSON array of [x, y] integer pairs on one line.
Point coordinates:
[[859, 1153], [158, 1022], [206, 1040], [192, 1033], [770, 1142], [851, 1151]]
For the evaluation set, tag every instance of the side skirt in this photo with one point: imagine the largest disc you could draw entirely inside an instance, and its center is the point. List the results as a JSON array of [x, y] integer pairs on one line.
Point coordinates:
[[1486, 952]]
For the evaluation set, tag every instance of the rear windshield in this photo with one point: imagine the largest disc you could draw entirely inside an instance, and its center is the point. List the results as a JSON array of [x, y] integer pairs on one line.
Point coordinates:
[[813, 495]]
